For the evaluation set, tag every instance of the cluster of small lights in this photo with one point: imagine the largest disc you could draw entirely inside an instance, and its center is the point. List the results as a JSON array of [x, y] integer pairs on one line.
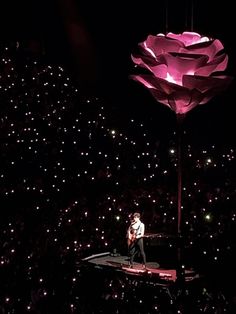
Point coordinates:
[[70, 178]]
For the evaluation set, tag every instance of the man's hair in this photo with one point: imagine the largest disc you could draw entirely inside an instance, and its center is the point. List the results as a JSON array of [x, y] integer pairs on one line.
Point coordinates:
[[136, 215]]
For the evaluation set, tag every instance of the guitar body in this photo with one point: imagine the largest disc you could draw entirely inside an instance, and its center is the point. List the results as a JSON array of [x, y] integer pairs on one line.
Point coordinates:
[[131, 239]]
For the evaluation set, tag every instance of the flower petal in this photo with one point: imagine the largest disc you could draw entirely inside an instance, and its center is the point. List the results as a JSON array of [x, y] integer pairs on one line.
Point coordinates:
[[188, 38], [210, 48], [178, 98], [217, 65], [180, 101], [204, 84], [160, 45], [150, 81], [183, 101], [181, 64]]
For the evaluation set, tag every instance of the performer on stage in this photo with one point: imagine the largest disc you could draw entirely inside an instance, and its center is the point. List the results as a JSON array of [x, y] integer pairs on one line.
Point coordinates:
[[135, 235]]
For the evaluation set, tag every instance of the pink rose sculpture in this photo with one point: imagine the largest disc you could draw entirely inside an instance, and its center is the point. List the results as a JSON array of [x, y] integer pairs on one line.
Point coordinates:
[[182, 70]]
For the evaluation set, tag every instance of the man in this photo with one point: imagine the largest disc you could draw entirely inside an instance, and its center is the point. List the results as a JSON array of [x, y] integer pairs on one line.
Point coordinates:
[[135, 235]]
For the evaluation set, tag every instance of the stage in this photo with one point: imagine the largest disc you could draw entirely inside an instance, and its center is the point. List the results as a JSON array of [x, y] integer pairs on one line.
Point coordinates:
[[119, 263]]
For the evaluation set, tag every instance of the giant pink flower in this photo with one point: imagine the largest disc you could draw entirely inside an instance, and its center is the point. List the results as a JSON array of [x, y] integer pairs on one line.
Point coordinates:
[[183, 70]]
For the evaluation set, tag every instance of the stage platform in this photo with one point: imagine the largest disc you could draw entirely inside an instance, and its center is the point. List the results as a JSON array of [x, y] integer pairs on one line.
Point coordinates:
[[118, 263]]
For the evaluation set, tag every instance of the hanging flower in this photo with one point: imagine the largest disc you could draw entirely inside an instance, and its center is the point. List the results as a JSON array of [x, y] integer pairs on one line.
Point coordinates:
[[183, 70]]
